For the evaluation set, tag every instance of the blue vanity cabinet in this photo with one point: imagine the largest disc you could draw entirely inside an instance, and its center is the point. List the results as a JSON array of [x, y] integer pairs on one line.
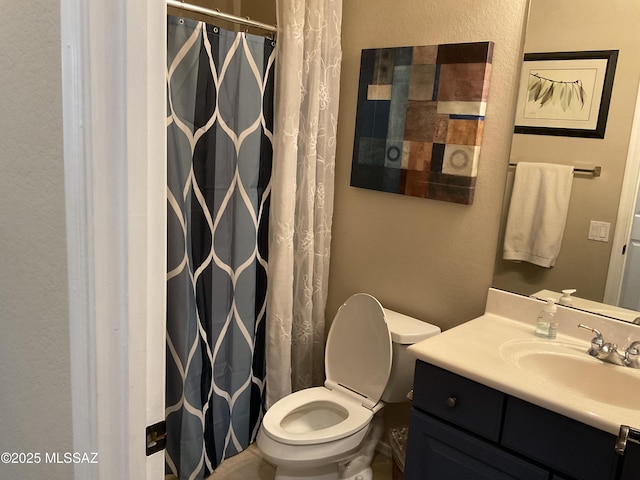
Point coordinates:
[[460, 429], [631, 462]]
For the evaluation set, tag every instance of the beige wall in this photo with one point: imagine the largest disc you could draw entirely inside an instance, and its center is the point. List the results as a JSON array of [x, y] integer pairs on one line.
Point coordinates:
[[574, 26], [35, 393], [429, 259]]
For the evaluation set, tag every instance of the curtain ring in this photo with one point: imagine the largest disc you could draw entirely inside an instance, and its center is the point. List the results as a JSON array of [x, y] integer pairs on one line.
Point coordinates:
[[181, 20]]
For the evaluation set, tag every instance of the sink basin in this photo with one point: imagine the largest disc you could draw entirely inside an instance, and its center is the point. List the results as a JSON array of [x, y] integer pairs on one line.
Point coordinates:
[[570, 367]]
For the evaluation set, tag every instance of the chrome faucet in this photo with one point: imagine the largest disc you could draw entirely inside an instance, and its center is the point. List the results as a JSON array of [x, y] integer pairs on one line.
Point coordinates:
[[632, 356], [608, 352]]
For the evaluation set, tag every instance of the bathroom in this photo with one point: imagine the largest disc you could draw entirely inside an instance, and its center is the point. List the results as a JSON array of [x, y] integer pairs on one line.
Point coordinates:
[[431, 260]]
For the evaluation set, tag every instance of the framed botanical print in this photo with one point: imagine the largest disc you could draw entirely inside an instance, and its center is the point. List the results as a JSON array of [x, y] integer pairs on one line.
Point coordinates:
[[565, 93]]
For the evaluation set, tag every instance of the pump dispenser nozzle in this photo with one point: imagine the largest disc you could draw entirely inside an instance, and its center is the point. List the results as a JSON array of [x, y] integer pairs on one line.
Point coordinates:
[[566, 299]]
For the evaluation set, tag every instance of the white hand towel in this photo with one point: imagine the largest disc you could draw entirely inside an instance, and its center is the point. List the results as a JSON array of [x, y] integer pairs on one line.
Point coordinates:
[[537, 213]]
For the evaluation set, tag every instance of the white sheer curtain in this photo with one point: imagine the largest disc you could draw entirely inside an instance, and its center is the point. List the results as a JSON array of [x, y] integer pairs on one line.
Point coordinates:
[[306, 114]]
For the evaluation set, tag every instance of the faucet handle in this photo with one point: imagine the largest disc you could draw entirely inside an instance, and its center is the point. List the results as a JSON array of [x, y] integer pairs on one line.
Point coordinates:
[[632, 355], [597, 342]]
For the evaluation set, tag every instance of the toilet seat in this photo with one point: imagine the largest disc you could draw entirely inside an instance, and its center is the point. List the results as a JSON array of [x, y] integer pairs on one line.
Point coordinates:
[[315, 415], [358, 358]]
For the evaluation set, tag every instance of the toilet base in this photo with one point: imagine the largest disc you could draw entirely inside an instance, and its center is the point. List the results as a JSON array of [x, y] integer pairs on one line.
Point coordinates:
[[325, 472], [359, 466], [366, 474], [321, 473]]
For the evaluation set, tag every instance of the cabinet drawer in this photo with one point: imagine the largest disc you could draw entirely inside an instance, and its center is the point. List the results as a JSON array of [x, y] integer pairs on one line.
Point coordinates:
[[441, 452], [570, 447], [458, 400]]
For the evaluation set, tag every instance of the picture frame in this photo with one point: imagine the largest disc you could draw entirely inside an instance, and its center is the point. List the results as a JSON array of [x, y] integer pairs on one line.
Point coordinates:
[[565, 93]]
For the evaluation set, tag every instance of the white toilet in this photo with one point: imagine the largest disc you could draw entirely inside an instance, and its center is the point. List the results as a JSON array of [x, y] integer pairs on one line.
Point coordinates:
[[331, 432]]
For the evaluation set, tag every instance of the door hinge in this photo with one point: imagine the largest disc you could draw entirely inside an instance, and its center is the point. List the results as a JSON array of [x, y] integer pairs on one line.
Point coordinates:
[[624, 249], [156, 437]]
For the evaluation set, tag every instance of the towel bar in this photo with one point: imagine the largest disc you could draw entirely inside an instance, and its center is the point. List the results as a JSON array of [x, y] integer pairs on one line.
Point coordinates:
[[595, 171]]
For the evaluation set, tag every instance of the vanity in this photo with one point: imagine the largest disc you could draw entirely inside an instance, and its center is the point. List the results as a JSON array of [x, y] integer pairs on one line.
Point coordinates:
[[493, 401]]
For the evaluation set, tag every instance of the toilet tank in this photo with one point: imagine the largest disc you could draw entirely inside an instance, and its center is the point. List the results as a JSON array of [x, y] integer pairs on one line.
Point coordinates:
[[405, 331]]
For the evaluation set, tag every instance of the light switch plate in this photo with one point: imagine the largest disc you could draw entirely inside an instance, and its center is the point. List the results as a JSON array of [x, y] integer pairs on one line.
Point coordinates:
[[599, 231]]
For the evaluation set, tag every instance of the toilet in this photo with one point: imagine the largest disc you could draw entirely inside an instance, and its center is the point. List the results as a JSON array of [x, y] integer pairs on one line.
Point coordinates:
[[331, 432]]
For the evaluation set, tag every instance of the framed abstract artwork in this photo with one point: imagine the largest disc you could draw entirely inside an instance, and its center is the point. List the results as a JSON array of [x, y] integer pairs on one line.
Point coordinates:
[[420, 119], [565, 93]]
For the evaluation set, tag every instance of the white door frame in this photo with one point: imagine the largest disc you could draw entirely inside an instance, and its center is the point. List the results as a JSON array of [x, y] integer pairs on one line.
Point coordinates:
[[626, 207], [113, 71]]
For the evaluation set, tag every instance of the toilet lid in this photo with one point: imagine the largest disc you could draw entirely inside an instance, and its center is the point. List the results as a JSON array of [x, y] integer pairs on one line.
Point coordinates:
[[358, 351]]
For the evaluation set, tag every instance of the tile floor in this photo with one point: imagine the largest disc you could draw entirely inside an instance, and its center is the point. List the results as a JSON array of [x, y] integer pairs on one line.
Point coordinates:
[[249, 465]]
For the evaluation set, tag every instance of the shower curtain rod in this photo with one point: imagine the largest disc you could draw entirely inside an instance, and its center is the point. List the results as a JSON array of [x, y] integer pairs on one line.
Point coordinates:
[[247, 22]]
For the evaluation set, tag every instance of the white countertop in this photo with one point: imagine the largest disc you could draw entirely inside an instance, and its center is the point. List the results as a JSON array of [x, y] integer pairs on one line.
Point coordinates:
[[476, 350]]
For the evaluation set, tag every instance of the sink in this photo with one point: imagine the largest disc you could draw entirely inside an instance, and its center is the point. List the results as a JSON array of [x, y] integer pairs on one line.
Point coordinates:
[[571, 368]]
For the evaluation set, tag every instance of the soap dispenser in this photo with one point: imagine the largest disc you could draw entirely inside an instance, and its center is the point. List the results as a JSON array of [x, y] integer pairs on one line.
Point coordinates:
[[546, 325], [566, 299]]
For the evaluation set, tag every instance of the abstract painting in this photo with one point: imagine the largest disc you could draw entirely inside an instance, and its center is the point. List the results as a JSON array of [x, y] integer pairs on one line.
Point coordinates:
[[420, 119]]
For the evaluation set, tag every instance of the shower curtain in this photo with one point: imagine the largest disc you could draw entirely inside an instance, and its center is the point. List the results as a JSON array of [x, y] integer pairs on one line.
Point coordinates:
[[219, 150], [308, 87]]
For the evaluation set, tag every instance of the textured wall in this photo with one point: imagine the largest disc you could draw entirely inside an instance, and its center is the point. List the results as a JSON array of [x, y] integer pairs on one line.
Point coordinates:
[[35, 398], [429, 259]]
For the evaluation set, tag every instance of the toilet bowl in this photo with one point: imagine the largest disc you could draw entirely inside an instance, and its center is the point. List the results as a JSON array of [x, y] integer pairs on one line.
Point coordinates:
[[330, 432]]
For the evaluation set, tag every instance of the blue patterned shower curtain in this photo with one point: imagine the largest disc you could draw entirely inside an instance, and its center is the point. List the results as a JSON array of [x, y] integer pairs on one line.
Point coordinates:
[[219, 150]]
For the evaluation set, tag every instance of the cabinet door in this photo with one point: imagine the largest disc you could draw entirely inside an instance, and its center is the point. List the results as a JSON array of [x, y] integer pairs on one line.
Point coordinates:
[[572, 448], [437, 451], [631, 463]]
